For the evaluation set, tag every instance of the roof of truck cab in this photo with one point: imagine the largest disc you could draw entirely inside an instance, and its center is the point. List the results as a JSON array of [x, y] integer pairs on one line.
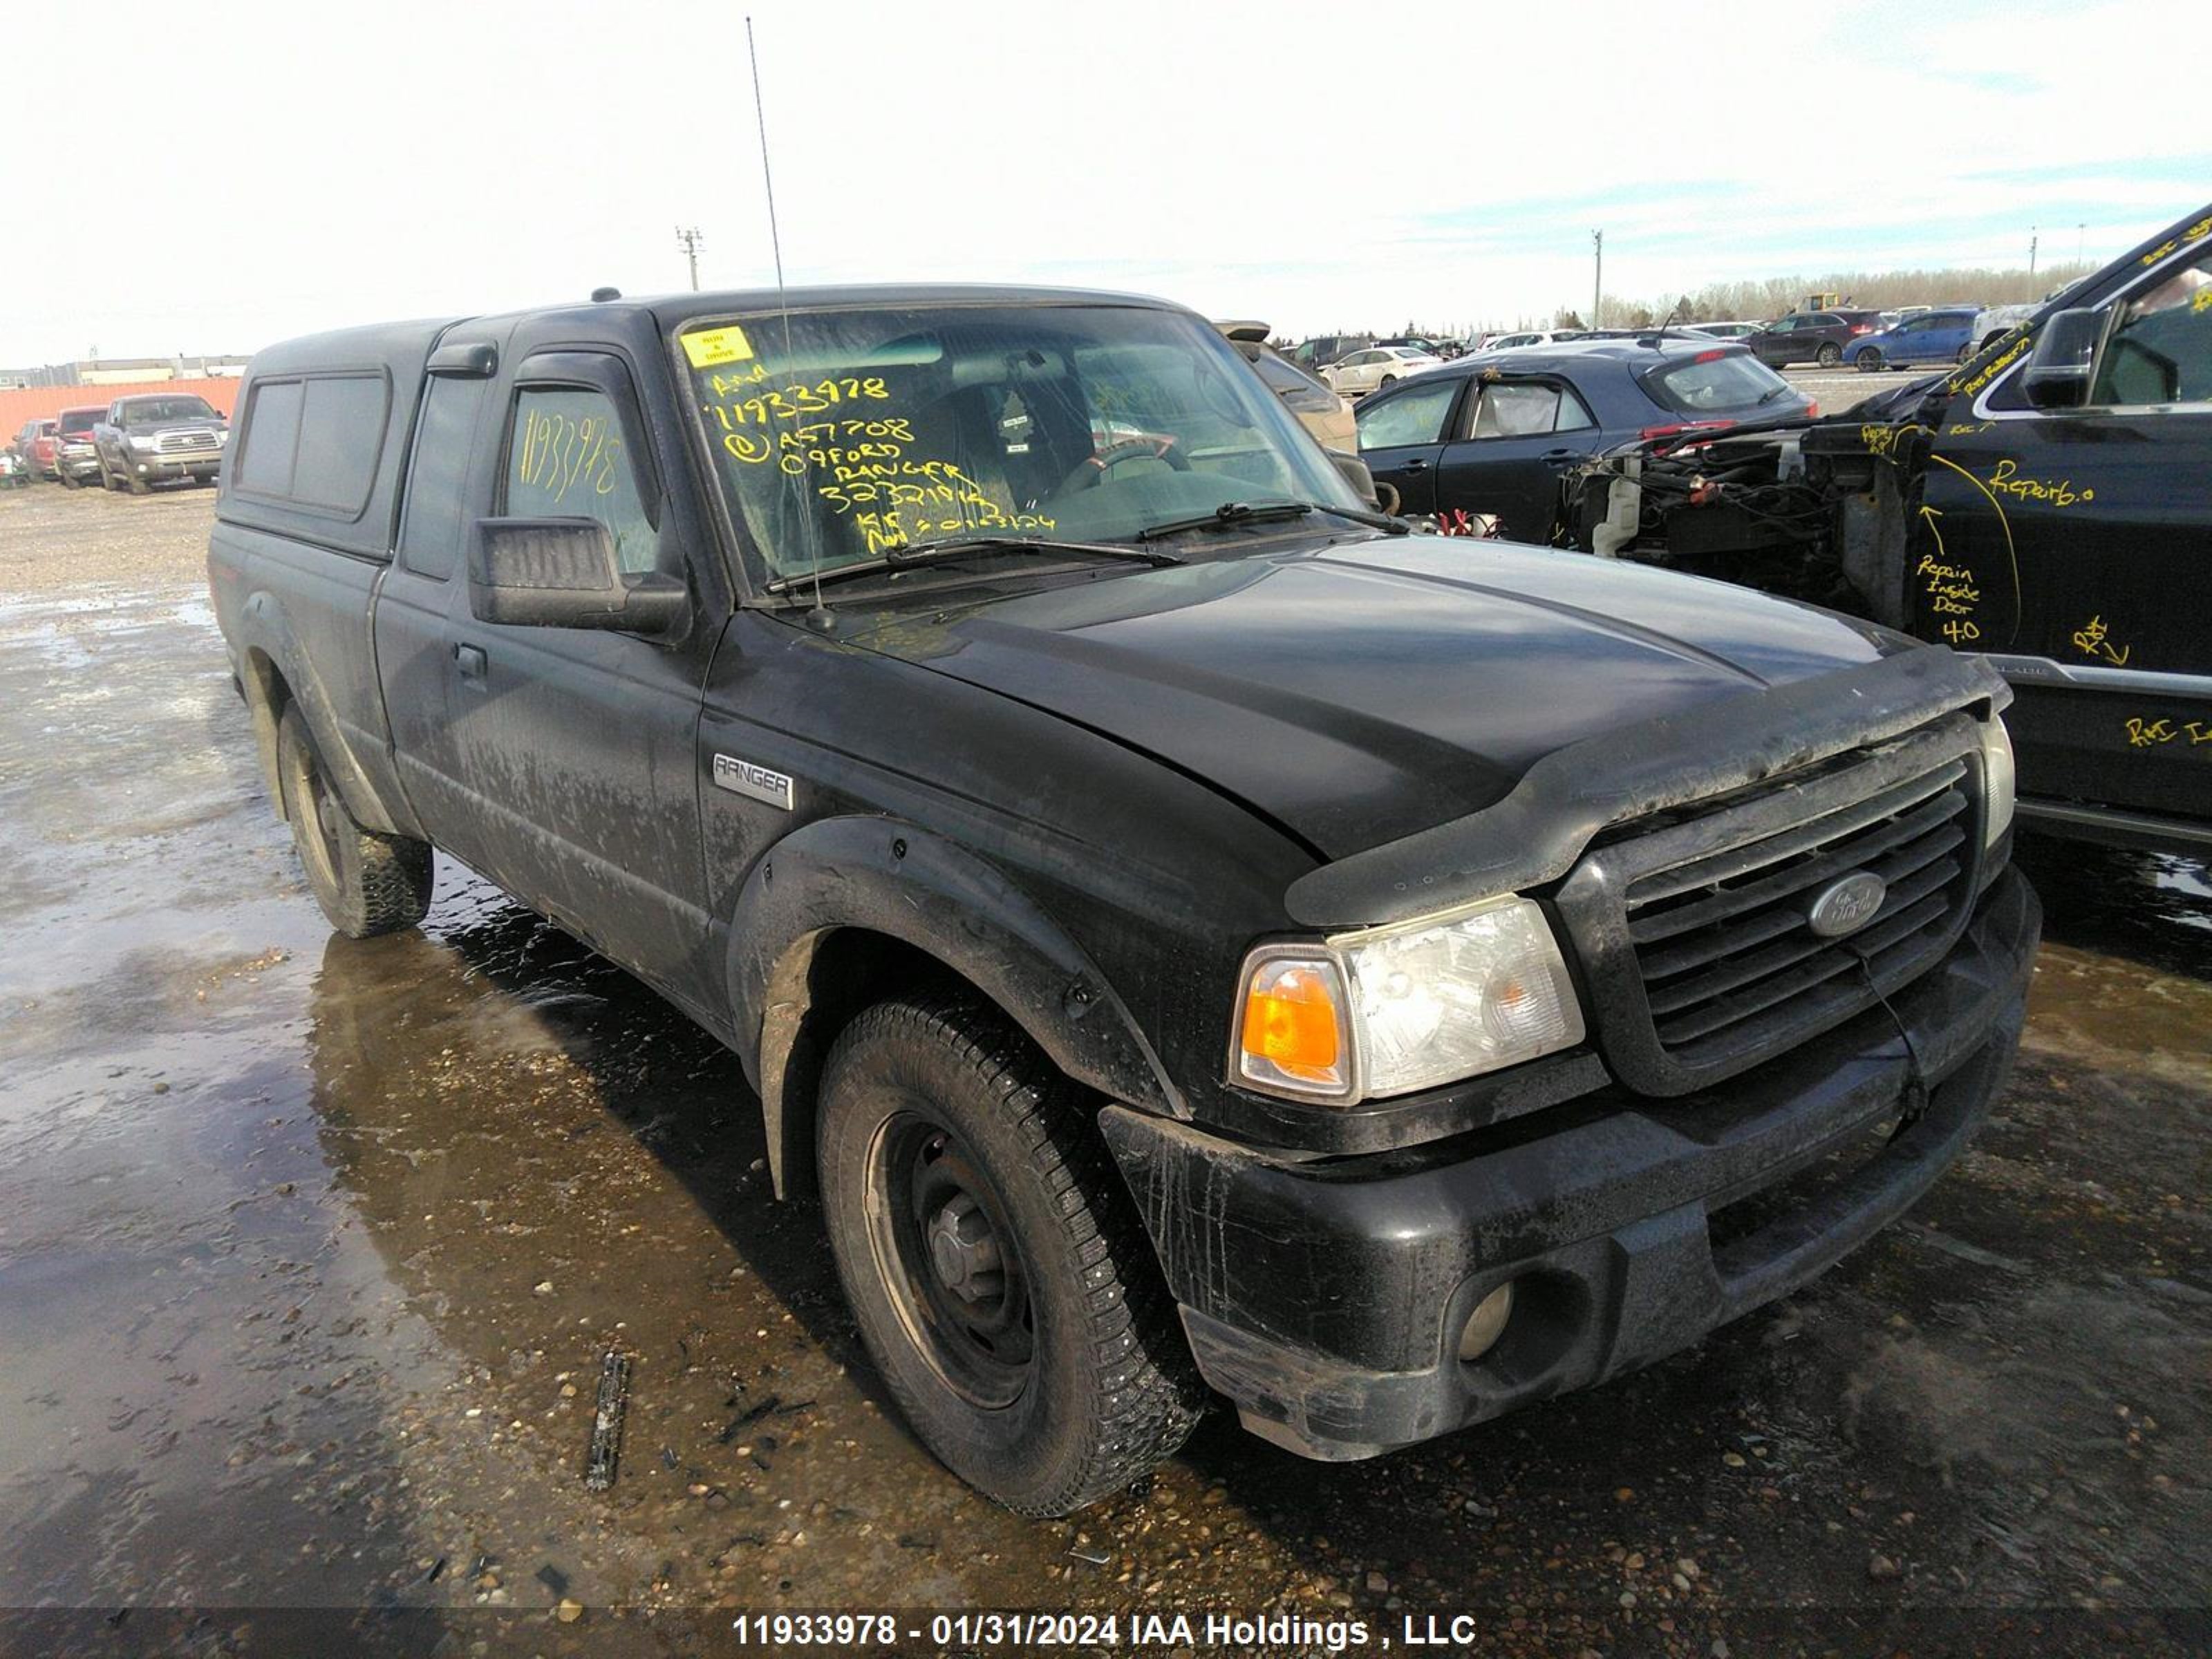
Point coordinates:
[[675, 308], [358, 348]]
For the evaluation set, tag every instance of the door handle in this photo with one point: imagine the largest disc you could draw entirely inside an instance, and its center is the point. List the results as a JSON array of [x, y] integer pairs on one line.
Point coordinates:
[[471, 661], [1416, 464]]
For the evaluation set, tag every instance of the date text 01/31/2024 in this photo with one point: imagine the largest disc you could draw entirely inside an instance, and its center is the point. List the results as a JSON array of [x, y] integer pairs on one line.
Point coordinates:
[[1215, 1632]]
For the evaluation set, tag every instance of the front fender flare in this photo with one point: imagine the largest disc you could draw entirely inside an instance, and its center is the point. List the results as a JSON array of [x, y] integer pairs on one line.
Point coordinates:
[[890, 877]]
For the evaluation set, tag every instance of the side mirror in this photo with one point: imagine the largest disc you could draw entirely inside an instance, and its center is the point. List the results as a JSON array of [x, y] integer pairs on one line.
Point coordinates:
[[1356, 474], [2063, 365], [563, 573]]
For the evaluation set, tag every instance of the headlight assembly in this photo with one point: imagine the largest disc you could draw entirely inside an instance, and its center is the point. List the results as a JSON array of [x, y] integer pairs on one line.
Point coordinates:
[[1997, 780], [1393, 1009]]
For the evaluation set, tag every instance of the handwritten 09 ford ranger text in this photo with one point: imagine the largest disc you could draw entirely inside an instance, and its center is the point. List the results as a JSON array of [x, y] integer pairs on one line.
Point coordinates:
[[1188, 932]]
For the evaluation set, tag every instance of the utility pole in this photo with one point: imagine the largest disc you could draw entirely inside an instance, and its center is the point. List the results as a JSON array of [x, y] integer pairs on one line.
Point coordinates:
[[1597, 283], [688, 240], [2033, 238], [2080, 232]]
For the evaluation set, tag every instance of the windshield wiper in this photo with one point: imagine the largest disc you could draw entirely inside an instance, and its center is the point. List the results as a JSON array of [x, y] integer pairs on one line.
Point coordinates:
[[1235, 513], [1766, 397], [904, 556]]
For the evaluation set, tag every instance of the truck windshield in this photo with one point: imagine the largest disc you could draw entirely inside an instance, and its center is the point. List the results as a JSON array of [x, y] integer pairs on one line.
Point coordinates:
[[150, 411], [873, 431]]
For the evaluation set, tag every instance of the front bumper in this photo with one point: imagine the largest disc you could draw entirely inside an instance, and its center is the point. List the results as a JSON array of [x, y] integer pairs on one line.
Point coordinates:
[[1325, 1296], [80, 461], [177, 464]]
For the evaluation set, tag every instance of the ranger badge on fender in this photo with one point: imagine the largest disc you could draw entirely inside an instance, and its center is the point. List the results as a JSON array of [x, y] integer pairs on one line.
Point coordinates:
[[744, 777]]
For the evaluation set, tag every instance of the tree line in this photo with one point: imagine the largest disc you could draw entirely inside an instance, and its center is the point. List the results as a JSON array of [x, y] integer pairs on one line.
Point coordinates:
[[1881, 290]]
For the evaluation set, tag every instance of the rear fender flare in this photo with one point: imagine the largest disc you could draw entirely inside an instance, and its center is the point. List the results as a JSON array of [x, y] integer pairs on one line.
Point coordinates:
[[273, 670], [885, 876]]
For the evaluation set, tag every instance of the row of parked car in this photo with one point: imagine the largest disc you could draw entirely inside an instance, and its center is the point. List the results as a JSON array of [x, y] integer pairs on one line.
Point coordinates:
[[131, 444], [1828, 336]]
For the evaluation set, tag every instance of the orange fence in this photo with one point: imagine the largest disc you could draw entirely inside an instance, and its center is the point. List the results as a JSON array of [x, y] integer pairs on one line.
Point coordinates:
[[17, 407]]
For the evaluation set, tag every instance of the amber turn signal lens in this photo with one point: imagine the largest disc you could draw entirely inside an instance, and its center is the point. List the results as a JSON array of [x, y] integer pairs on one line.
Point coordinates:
[[1293, 1028]]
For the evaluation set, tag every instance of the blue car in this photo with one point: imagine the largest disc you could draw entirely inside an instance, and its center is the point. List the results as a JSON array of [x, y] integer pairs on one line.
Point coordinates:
[[1946, 335], [1494, 433]]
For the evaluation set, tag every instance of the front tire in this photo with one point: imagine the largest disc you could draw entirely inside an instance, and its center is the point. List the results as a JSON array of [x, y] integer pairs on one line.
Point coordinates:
[[1965, 354], [367, 884], [1000, 1282], [1868, 360], [1388, 380], [1830, 354]]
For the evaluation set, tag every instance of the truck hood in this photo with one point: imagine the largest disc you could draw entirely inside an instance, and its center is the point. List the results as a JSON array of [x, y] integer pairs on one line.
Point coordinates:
[[1358, 693]]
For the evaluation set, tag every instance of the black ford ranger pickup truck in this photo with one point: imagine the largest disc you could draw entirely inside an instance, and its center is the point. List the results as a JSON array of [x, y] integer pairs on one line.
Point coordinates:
[[1187, 931], [2048, 503]]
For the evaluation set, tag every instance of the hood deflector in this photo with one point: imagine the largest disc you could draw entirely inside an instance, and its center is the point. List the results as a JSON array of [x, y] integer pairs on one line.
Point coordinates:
[[1535, 834]]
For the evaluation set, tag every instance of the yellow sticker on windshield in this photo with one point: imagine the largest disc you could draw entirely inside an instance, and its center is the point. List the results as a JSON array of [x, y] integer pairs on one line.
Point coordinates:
[[710, 346]]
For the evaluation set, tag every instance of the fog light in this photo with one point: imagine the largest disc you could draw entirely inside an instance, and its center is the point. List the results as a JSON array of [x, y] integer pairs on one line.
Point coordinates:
[[1487, 1324]]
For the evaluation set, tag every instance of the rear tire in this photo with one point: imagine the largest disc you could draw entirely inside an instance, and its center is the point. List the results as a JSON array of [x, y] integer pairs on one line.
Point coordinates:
[[135, 484], [1965, 354], [1830, 354], [998, 1275], [1387, 381], [367, 884]]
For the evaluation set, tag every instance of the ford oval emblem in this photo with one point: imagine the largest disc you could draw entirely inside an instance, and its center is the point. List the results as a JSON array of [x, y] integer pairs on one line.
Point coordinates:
[[1845, 906]]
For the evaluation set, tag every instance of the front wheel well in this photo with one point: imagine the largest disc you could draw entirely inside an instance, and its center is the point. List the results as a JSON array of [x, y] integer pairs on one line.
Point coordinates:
[[821, 984]]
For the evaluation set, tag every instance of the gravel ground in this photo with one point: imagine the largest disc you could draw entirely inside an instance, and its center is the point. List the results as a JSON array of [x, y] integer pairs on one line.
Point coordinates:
[[310, 1250], [1836, 390]]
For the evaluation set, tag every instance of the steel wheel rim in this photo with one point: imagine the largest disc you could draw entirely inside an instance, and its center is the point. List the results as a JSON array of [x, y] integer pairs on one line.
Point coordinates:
[[944, 1252]]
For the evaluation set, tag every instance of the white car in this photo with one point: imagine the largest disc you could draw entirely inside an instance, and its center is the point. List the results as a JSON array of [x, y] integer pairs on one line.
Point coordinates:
[[1720, 331], [1375, 367], [1528, 337]]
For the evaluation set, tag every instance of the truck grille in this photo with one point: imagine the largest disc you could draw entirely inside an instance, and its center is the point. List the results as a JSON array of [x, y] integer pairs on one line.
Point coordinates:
[[194, 440], [1699, 925]]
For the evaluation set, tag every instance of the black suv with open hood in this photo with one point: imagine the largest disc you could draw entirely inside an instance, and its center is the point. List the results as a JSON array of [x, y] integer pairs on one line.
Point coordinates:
[[1187, 931], [2047, 504]]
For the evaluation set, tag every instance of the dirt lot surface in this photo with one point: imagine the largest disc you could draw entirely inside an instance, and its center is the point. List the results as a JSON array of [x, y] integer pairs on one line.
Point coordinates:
[[310, 1249]]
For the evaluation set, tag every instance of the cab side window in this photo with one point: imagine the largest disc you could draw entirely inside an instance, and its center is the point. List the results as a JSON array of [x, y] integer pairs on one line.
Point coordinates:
[[2160, 351], [431, 527], [566, 458]]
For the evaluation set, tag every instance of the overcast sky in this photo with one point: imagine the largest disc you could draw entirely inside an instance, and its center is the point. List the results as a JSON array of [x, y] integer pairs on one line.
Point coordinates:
[[225, 175]]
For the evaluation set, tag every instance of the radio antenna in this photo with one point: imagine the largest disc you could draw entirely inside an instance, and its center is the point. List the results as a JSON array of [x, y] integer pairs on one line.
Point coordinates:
[[818, 618]]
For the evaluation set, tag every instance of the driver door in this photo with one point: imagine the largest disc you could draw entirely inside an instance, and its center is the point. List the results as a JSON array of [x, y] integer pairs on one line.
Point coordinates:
[[1402, 437], [575, 747]]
